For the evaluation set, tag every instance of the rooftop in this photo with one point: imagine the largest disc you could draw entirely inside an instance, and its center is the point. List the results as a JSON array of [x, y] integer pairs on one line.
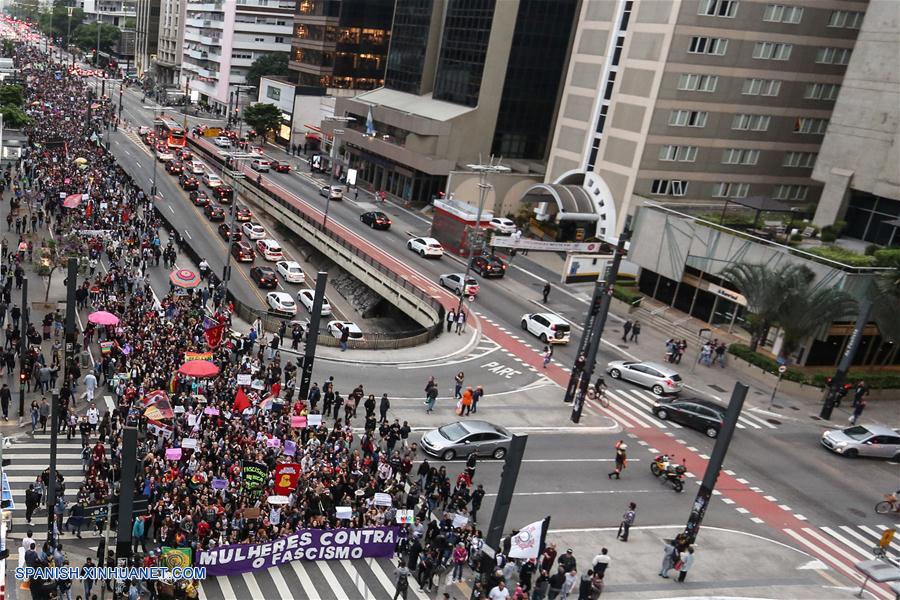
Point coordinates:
[[422, 106]]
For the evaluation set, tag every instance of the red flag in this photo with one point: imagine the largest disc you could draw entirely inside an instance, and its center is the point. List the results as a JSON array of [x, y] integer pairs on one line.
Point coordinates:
[[286, 477], [241, 402], [276, 389], [214, 335]]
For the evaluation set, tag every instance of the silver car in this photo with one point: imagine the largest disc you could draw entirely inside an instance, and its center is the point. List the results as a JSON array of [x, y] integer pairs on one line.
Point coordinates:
[[878, 441], [460, 439], [659, 378]]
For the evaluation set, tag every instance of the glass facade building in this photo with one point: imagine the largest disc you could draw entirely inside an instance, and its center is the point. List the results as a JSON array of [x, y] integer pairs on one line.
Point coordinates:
[[467, 32], [409, 37], [873, 219]]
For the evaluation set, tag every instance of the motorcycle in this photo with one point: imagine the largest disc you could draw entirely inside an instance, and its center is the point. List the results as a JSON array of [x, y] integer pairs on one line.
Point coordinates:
[[663, 468]]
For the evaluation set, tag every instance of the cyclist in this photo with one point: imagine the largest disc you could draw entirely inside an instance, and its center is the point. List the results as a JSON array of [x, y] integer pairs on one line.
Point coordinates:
[[600, 386]]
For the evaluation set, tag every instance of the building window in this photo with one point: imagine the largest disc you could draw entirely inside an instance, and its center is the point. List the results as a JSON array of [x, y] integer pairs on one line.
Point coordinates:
[[708, 45], [718, 8], [727, 189], [669, 187], [845, 19], [790, 192], [279, 39], [811, 125], [688, 118], [822, 91], [697, 83], [833, 56], [670, 153], [747, 122], [779, 13], [740, 156], [761, 87], [772, 51], [802, 160], [259, 39]]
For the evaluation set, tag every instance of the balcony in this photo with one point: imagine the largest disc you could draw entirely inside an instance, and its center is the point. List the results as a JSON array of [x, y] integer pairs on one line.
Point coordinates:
[[211, 41]]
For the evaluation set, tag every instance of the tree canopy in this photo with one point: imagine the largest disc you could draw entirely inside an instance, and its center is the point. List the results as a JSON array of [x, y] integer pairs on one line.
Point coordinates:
[[55, 23], [274, 63], [263, 117], [85, 37]]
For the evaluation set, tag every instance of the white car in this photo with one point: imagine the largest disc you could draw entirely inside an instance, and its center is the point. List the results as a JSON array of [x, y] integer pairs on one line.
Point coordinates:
[[222, 141], [425, 246], [334, 192], [197, 167], [253, 231], [212, 180], [547, 326], [306, 298], [453, 281], [165, 155], [282, 302], [503, 225], [291, 271], [144, 130], [355, 331], [260, 164], [269, 249]]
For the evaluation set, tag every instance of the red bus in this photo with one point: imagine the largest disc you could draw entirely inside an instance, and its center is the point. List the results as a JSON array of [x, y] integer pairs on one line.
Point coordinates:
[[171, 132]]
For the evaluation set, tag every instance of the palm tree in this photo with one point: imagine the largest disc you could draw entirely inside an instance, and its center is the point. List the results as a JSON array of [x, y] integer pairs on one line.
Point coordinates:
[[806, 309], [766, 290]]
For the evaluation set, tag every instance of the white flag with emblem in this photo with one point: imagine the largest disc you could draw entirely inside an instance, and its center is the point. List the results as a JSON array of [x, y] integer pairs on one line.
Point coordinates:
[[527, 542]]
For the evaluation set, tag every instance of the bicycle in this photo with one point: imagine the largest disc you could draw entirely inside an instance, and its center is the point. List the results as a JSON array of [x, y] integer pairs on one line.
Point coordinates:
[[888, 505], [601, 398]]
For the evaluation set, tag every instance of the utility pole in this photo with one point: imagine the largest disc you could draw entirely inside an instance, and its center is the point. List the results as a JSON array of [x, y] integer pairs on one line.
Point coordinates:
[[97, 61], [23, 350], [723, 440], [312, 335], [235, 174], [840, 376], [126, 492], [51, 483], [594, 324], [483, 187], [508, 478], [71, 334]]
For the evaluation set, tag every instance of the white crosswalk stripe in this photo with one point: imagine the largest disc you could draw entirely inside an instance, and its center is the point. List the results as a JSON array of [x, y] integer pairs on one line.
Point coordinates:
[[860, 539]]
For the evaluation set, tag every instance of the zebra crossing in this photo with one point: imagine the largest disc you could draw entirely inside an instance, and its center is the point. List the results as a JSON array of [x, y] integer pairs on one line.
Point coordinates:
[[633, 408], [363, 579]]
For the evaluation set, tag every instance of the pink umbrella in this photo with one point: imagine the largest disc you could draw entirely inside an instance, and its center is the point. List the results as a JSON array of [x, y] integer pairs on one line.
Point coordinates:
[[101, 317], [72, 200], [184, 278], [199, 368]]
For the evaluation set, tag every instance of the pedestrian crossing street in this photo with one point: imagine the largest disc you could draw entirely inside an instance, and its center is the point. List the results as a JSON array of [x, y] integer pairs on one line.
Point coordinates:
[[363, 579], [632, 408]]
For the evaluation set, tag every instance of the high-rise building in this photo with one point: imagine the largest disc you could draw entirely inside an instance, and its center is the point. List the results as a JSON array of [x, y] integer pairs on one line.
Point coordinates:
[[696, 101], [170, 42], [222, 39], [146, 34], [465, 79], [341, 44], [859, 162], [118, 13]]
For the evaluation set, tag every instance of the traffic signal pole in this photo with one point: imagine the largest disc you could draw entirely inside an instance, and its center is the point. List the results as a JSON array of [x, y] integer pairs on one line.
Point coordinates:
[[840, 376], [23, 349], [312, 335]]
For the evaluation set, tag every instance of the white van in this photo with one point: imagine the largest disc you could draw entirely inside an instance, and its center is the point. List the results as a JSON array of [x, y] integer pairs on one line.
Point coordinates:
[[197, 167]]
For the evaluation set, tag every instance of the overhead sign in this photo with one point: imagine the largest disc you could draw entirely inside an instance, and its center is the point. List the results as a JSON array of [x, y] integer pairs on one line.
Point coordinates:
[[508, 241]]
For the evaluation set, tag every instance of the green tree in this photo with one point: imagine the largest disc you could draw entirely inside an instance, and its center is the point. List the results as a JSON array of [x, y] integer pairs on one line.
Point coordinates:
[[274, 63], [807, 308], [766, 291], [85, 37], [55, 23], [263, 117], [13, 116], [11, 95]]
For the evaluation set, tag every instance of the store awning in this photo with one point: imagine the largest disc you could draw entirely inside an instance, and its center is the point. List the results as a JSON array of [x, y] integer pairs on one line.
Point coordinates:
[[573, 201]]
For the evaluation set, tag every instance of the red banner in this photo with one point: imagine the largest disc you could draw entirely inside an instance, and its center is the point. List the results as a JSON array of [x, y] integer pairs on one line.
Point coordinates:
[[214, 335], [286, 477]]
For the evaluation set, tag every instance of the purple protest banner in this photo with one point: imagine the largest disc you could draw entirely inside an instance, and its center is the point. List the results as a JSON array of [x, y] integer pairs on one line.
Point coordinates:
[[290, 447], [219, 484], [306, 544]]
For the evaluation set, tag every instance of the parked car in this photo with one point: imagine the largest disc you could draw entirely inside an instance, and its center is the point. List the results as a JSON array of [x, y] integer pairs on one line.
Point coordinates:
[[214, 212], [877, 441], [503, 225], [174, 167], [550, 328], [253, 231], [260, 164], [335, 192], [199, 198], [225, 232], [454, 282], [462, 438], [269, 249], [242, 251], [281, 167], [306, 297], [222, 141], [376, 219], [242, 214], [425, 246], [281, 302], [291, 271], [264, 277], [702, 415], [188, 182], [659, 378], [489, 266], [336, 327]]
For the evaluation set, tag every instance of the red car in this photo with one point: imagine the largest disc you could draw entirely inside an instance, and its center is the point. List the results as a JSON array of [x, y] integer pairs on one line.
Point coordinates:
[[281, 167], [199, 198], [150, 139], [242, 251], [225, 232], [186, 155]]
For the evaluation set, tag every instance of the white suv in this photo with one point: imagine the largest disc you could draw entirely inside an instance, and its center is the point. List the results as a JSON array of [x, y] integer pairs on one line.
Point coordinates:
[[547, 326], [261, 165]]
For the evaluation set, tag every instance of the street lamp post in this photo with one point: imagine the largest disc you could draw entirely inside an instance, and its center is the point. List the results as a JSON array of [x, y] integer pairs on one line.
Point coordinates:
[[335, 144], [483, 187], [97, 58], [155, 160], [226, 272]]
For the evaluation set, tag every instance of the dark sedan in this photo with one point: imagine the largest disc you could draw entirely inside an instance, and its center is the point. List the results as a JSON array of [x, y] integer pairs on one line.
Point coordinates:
[[242, 251], [214, 213], [702, 415], [264, 277], [376, 219], [199, 198], [225, 193], [225, 232], [243, 214], [188, 182], [174, 167]]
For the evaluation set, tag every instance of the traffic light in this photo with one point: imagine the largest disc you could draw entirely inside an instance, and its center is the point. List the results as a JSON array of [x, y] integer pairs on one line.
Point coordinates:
[[23, 377]]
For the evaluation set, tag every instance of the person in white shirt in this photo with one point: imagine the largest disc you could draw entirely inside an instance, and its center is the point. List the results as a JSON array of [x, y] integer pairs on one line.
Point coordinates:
[[90, 382], [93, 416], [28, 540], [499, 592]]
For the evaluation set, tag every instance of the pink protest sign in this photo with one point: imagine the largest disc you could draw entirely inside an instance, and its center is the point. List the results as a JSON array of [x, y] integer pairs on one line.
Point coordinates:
[[298, 421], [173, 453]]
